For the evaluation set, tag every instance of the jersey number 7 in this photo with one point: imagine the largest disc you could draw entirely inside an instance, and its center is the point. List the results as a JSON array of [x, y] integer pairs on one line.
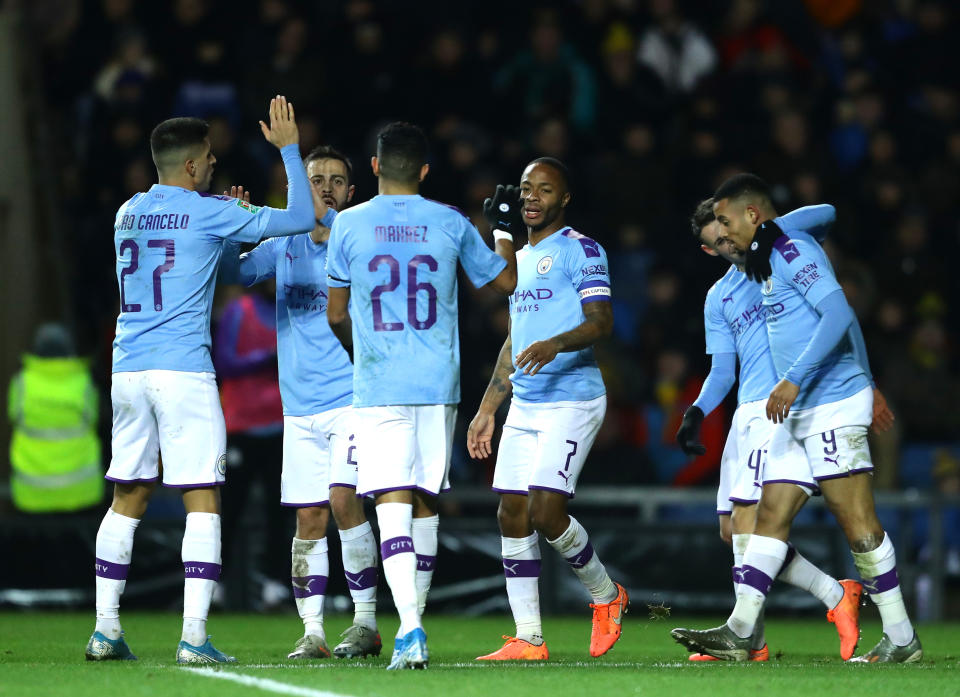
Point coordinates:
[[131, 246], [413, 287]]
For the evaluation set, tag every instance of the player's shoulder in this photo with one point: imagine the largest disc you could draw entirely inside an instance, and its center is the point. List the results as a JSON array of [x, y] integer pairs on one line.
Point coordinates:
[[576, 241], [787, 250], [445, 209], [722, 286]]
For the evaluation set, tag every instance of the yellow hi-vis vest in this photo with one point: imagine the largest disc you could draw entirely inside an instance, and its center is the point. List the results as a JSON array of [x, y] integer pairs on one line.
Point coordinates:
[[54, 451]]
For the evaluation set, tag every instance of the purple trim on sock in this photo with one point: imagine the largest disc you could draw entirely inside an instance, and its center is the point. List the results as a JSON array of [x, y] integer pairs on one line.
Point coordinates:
[[791, 553], [746, 501], [131, 481], [315, 504], [881, 584], [508, 491], [201, 569], [396, 545], [521, 568], [367, 578], [755, 578], [581, 558], [426, 563], [110, 569], [307, 586], [719, 512], [736, 575], [568, 494], [845, 474], [204, 485], [344, 485]]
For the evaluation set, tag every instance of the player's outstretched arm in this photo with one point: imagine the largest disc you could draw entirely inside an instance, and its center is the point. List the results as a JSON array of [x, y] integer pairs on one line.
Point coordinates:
[[480, 431], [338, 317], [283, 133], [597, 324]]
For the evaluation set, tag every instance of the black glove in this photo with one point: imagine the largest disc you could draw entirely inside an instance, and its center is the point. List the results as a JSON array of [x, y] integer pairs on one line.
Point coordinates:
[[503, 210], [757, 263], [688, 435]]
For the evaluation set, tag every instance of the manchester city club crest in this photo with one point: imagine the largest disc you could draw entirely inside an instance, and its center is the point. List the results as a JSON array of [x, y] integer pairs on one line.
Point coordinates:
[[545, 265], [767, 287]]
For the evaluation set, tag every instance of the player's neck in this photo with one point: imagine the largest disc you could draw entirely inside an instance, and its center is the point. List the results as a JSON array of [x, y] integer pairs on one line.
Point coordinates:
[[386, 187], [534, 237], [320, 234], [182, 182]]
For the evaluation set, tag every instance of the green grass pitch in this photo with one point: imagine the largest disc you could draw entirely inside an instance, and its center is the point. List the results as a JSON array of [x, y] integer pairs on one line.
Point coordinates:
[[41, 654]]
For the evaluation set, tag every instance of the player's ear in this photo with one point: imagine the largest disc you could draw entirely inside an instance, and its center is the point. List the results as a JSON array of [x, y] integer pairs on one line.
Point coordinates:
[[423, 171], [350, 190], [709, 250], [375, 166], [564, 200], [752, 214]]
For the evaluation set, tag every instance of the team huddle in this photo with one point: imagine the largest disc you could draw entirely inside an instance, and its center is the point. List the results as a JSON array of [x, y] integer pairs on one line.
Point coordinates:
[[366, 305]]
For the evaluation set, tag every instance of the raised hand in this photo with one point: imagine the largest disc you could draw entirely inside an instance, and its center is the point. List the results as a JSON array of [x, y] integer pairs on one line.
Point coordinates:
[[283, 129], [238, 192], [757, 262], [503, 210]]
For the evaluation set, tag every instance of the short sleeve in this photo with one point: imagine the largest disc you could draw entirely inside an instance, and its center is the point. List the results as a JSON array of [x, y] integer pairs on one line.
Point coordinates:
[[716, 328], [588, 269], [481, 263], [260, 263], [235, 219], [338, 265], [805, 266]]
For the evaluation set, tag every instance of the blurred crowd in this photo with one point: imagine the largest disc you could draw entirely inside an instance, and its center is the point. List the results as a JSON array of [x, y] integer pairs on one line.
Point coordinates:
[[651, 103]]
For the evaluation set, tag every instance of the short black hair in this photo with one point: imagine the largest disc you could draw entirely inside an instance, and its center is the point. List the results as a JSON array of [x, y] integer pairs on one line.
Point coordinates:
[[327, 152], [557, 165], [743, 185], [174, 135], [401, 151], [702, 216]]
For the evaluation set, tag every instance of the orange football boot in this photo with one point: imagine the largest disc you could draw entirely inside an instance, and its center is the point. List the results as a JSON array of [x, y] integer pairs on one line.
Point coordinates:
[[606, 622], [761, 654], [517, 650], [846, 617]]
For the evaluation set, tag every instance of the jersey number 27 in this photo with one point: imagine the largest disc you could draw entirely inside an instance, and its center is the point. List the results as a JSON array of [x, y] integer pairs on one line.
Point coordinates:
[[134, 249]]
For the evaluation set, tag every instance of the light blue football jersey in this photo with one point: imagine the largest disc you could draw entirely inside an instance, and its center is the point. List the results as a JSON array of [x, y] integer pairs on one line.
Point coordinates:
[[555, 279], [398, 255], [169, 243], [802, 277], [315, 371], [734, 316]]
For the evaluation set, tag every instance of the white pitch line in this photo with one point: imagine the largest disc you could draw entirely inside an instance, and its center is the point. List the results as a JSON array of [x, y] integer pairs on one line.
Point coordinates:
[[280, 688]]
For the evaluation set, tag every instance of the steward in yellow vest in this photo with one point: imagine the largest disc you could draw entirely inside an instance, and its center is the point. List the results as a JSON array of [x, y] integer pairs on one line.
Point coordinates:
[[54, 451]]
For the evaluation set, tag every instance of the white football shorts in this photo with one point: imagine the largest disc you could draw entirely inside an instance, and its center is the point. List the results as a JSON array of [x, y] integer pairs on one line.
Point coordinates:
[[174, 413], [319, 451], [744, 455], [823, 442], [544, 446], [405, 447]]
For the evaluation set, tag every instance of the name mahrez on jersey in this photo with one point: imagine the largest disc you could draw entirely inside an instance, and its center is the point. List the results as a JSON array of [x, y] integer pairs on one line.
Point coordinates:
[[157, 221], [401, 233]]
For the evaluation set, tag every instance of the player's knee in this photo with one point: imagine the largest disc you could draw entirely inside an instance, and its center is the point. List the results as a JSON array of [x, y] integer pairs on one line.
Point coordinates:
[[347, 509], [511, 516], [312, 523], [548, 518]]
